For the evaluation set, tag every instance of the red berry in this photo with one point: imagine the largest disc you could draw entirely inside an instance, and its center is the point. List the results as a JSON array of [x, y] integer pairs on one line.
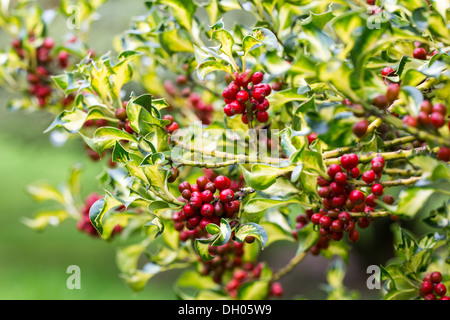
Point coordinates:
[[363, 223], [392, 92], [207, 196], [172, 128], [181, 80], [236, 107], [324, 192], [337, 189], [338, 201], [231, 208], [325, 221], [381, 102], [340, 178], [222, 182], [437, 119], [128, 128], [436, 277], [420, 53], [371, 2], [377, 189], [379, 159], [121, 114], [311, 137], [353, 236], [228, 111], [276, 289], [322, 182], [355, 172], [229, 93], [386, 71], [371, 200], [344, 217], [263, 106], [262, 117], [357, 197], [444, 154], [388, 199], [315, 218], [440, 289], [349, 161], [242, 96], [430, 297], [333, 169], [440, 108], [369, 176], [226, 195], [169, 117], [257, 77], [360, 128], [426, 106], [259, 94], [423, 118], [410, 121], [207, 210]]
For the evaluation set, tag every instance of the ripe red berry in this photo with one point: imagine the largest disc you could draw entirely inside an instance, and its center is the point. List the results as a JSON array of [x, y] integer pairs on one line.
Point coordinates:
[[340, 178], [420, 53], [172, 127], [121, 114], [378, 159], [333, 169], [222, 182], [236, 107], [437, 119], [369, 176], [229, 93], [386, 71], [357, 197], [430, 297], [259, 94], [324, 192], [344, 217], [355, 172], [440, 289], [371, 200], [207, 210], [392, 92], [206, 196], [228, 110], [349, 161], [363, 223], [381, 102], [426, 106], [276, 289], [226, 195], [128, 128], [315, 218], [436, 277], [426, 287], [231, 208], [443, 154], [423, 118], [410, 121], [360, 128], [242, 96], [377, 189], [262, 117], [262, 106], [388, 199], [440, 108], [353, 236], [322, 182], [325, 221], [257, 77], [337, 189]]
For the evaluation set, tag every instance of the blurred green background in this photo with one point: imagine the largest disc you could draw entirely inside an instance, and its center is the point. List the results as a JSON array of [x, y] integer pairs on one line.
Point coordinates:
[[33, 265]]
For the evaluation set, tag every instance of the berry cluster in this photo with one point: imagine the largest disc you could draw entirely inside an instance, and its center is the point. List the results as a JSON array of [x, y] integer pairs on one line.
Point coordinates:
[[430, 116], [422, 51], [251, 272], [203, 206], [203, 110], [85, 225], [432, 286], [172, 126], [247, 88], [38, 76], [226, 257], [236, 182], [340, 197], [122, 116]]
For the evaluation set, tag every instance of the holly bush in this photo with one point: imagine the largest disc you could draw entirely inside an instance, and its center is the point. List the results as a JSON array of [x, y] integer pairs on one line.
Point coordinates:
[[227, 126]]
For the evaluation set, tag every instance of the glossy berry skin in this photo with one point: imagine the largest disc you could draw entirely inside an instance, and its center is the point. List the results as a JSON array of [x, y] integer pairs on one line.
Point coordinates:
[[121, 114], [242, 96], [315, 218], [443, 154], [360, 128], [357, 197], [440, 289], [392, 92], [172, 128], [436, 277], [262, 117], [381, 102], [377, 189], [222, 182], [363, 223], [257, 77], [437, 120], [349, 161], [226, 195], [333, 169], [388, 199], [207, 210], [340, 178], [353, 236], [386, 71], [420, 53]]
